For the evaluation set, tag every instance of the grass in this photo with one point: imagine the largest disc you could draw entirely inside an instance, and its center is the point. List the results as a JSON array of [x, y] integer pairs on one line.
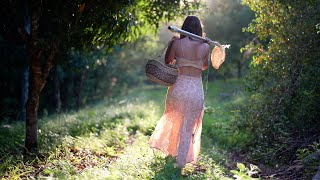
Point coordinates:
[[109, 140], [222, 103]]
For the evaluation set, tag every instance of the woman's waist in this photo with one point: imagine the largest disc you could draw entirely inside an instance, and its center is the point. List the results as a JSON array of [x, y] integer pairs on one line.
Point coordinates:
[[186, 87], [188, 81], [190, 77], [190, 71]]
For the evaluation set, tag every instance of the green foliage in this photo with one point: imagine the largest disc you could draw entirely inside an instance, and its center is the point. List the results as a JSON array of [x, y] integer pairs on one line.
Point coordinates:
[[244, 172], [304, 152], [86, 35], [164, 168], [222, 101], [70, 139], [309, 157], [283, 79], [128, 20], [105, 75]]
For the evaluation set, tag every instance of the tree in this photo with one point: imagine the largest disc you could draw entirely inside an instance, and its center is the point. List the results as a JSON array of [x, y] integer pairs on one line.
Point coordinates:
[[284, 77], [58, 26]]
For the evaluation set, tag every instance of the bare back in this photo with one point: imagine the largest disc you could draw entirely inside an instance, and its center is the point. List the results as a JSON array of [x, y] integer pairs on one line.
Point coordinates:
[[192, 51]]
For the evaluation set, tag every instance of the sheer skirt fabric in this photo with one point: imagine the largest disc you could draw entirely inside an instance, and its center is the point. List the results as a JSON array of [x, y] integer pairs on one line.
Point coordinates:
[[179, 129]]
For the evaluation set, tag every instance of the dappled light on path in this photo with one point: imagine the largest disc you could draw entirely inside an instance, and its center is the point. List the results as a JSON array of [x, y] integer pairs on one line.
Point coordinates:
[[109, 140]]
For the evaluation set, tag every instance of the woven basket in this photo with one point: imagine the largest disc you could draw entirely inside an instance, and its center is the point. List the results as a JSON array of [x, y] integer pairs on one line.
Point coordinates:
[[161, 73]]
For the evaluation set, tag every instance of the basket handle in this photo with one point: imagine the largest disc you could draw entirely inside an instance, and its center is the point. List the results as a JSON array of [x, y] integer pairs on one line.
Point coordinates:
[[162, 51]]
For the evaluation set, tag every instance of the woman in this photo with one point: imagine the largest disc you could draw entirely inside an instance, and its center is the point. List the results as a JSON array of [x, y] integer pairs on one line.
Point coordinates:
[[179, 129]]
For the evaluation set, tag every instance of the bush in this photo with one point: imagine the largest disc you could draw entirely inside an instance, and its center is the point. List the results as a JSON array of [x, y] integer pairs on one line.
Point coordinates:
[[283, 109]]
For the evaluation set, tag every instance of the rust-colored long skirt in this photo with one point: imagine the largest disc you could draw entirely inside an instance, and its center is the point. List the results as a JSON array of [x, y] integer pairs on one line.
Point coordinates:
[[179, 129]]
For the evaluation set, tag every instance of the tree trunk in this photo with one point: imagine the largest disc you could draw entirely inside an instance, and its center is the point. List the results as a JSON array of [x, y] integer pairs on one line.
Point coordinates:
[[24, 92], [57, 96], [32, 111], [25, 75], [38, 81], [78, 88]]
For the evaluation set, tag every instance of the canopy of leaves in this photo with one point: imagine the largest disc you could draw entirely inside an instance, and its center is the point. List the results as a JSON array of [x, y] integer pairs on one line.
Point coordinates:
[[83, 23], [85, 33]]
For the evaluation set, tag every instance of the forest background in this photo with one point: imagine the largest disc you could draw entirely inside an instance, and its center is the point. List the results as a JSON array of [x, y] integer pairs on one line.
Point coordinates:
[[61, 59]]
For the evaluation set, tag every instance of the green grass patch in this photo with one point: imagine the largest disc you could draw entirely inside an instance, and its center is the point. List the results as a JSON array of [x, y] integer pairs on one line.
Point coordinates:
[[109, 140], [222, 104]]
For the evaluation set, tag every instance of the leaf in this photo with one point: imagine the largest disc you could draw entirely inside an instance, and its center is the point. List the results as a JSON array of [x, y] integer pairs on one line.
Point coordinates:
[[241, 167], [234, 172]]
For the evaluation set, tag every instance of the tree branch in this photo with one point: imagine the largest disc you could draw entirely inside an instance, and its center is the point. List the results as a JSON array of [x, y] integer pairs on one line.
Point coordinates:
[[35, 23]]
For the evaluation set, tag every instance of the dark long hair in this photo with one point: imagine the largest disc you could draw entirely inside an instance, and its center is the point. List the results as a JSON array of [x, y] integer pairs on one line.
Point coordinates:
[[193, 25]]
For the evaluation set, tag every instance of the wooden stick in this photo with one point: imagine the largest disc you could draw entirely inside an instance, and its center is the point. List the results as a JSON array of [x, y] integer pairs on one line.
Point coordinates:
[[186, 33]]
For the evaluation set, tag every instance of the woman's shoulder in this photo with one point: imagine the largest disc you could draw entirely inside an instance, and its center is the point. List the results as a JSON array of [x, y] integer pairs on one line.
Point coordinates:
[[173, 43], [205, 47], [176, 41]]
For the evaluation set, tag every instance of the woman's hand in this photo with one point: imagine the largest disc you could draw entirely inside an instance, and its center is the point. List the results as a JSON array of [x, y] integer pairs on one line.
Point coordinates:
[[209, 41], [218, 44]]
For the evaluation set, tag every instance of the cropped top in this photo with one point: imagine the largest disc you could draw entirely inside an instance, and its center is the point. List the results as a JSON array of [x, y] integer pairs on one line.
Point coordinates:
[[183, 62]]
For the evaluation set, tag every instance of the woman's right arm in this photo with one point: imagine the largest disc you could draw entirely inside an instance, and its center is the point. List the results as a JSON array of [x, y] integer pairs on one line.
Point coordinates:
[[207, 52]]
